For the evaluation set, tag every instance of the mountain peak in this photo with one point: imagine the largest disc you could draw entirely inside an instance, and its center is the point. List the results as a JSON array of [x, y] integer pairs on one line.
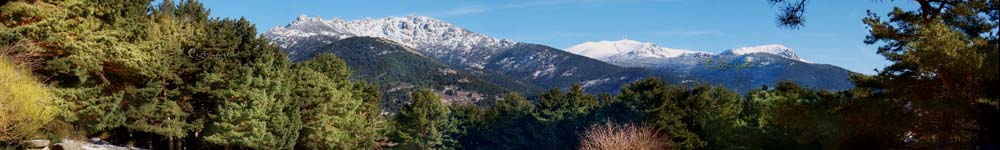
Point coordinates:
[[776, 49], [626, 47], [421, 18], [625, 41], [303, 18], [413, 31], [431, 36]]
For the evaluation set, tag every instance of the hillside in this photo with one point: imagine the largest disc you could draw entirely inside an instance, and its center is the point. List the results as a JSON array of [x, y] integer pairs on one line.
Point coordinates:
[[740, 69], [401, 70], [535, 64]]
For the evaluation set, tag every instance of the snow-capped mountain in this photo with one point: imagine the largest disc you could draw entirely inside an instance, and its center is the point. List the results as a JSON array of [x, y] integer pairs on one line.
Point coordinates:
[[431, 36], [626, 48], [540, 65], [630, 49], [740, 69], [603, 67], [775, 49]]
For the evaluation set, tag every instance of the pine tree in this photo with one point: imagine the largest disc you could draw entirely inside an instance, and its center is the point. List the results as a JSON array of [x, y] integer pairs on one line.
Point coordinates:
[[556, 106], [251, 110], [93, 58], [420, 124], [373, 134], [663, 106], [333, 118], [513, 105], [509, 124], [255, 108], [160, 106], [716, 115], [159, 75], [944, 65], [563, 116]]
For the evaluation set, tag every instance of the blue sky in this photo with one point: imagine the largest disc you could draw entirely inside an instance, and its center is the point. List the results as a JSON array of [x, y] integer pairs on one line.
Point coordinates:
[[833, 33]]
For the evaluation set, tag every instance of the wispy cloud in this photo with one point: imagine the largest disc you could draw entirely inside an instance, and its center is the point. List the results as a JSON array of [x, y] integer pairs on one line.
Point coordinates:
[[530, 4], [690, 33]]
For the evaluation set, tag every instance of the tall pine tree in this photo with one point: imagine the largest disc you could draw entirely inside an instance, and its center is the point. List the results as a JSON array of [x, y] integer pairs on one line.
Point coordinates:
[[421, 123]]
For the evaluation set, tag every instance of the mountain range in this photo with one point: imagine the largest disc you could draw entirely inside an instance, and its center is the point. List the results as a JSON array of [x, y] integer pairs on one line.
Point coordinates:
[[424, 45], [740, 69]]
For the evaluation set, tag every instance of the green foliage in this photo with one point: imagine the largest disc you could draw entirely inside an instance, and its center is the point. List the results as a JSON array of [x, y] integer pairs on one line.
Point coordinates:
[[509, 124], [256, 111], [787, 117], [563, 116], [402, 70], [333, 116], [158, 76], [330, 65], [94, 111], [944, 71], [462, 118], [91, 70], [945, 66], [421, 124], [513, 105], [555, 106], [665, 107], [719, 115]]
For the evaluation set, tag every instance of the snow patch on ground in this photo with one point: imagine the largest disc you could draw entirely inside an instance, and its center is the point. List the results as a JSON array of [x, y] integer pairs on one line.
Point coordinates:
[[96, 145], [548, 69], [589, 83]]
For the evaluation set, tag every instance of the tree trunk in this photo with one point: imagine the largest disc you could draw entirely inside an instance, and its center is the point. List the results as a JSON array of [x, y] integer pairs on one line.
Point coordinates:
[[149, 142], [171, 141]]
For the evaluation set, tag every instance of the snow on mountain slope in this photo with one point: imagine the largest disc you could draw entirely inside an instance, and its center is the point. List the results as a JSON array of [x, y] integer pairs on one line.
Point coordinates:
[[539, 65], [603, 50], [626, 50], [431, 36], [740, 69], [775, 49]]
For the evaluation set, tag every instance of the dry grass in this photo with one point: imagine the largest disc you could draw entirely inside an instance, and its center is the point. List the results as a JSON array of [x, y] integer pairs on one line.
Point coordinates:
[[622, 137], [25, 104]]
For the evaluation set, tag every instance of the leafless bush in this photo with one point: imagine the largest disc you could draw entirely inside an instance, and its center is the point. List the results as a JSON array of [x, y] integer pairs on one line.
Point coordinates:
[[621, 137], [21, 56]]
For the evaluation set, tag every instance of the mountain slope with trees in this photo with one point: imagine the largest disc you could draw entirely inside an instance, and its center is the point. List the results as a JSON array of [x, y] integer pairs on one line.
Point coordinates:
[[740, 69], [401, 70], [539, 65]]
